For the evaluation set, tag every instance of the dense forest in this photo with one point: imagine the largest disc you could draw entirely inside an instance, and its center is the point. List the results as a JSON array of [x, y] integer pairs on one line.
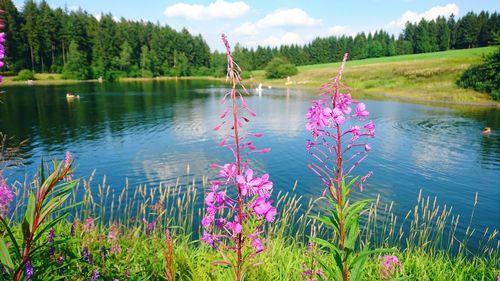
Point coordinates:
[[80, 46]]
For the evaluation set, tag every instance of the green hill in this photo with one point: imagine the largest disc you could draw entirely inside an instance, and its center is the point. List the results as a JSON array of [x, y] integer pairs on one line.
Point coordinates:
[[420, 77]]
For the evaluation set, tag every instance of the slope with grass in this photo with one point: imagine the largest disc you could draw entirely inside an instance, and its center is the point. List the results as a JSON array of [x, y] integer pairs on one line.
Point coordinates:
[[420, 77]]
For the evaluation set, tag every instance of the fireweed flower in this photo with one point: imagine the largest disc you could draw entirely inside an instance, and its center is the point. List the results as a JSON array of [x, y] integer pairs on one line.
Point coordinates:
[[238, 190], [338, 127], [6, 197], [389, 265], [329, 113], [89, 224]]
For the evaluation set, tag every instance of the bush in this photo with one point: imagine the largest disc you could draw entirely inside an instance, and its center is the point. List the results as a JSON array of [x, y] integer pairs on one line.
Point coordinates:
[[24, 75], [280, 68], [484, 77]]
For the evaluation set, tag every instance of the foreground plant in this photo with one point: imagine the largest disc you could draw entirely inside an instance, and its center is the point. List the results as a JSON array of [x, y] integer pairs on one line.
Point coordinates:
[[43, 212], [338, 149], [235, 219]]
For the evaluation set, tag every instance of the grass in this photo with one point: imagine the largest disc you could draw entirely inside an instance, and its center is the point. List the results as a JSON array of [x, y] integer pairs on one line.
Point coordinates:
[[428, 77], [423, 241]]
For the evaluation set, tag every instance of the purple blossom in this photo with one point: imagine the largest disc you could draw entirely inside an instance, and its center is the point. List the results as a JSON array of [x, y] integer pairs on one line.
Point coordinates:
[[95, 276], [29, 271], [104, 253], [73, 229], [67, 164], [6, 197], [86, 256]]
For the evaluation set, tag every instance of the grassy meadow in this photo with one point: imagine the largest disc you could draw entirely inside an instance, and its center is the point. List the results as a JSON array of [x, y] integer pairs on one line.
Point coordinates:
[[122, 246], [421, 77]]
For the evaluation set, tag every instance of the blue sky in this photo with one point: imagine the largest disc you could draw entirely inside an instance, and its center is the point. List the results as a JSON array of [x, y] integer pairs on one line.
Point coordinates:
[[277, 22]]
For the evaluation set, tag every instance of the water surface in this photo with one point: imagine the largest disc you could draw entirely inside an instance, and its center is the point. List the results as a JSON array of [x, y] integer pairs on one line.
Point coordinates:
[[149, 132]]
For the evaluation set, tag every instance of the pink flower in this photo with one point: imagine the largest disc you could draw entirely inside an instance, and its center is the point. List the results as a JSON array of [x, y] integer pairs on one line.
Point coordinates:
[[356, 132], [89, 224], [370, 128], [228, 171], [6, 197], [208, 238], [361, 113], [207, 220], [338, 116], [248, 183], [235, 227], [257, 245], [319, 117], [264, 208], [389, 265], [343, 103], [116, 249]]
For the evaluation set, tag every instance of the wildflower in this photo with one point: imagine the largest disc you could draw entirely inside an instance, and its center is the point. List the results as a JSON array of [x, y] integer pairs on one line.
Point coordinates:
[[95, 276], [112, 233], [248, 183], [86, 256], [67, 164], [50, 239], [370, 129], [89, 224], [389, 266], [115, 249], [264, 208], [104, 253], [29, 271], [127, 273], [73, 229], [235, 227], [361, 113], [60, 262], [6, 197]]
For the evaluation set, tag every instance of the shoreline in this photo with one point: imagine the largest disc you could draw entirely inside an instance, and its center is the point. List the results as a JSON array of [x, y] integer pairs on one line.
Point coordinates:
[[361, 94]]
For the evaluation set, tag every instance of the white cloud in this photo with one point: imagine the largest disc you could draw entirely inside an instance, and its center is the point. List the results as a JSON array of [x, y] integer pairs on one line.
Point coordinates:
[[286, 39], [280, 18], [98, 17], [247, 29], [338, 30], [432, 13], [289, 17], [216, 10]]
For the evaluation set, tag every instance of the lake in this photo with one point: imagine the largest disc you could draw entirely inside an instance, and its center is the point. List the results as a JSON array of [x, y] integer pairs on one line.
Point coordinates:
[[149, 132]]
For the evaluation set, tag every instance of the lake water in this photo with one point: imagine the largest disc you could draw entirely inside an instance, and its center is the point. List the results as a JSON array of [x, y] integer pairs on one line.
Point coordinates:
[[149, 132]]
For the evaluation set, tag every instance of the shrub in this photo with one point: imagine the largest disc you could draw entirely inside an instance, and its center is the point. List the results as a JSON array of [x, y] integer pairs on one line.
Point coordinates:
[[280, 68], [484, 77], [24, 75]]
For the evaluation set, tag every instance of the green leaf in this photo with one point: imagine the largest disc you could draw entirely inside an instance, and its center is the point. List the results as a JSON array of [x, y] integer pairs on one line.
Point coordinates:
[[12, 238], [325, 243], [5, 256], [30, 210], [333, 272]]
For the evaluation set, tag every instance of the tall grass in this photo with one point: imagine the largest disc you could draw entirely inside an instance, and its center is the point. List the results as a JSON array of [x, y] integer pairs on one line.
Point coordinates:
[[425, 240]]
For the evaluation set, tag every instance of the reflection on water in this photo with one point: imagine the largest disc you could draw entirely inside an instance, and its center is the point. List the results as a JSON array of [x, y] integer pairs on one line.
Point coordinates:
[[149, 132]]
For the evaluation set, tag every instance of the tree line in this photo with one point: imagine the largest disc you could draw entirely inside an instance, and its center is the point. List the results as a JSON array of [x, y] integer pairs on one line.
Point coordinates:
[[470, 31], [80, 46]]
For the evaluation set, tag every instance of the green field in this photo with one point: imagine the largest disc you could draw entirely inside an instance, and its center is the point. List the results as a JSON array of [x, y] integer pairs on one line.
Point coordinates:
[[421, 77]]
